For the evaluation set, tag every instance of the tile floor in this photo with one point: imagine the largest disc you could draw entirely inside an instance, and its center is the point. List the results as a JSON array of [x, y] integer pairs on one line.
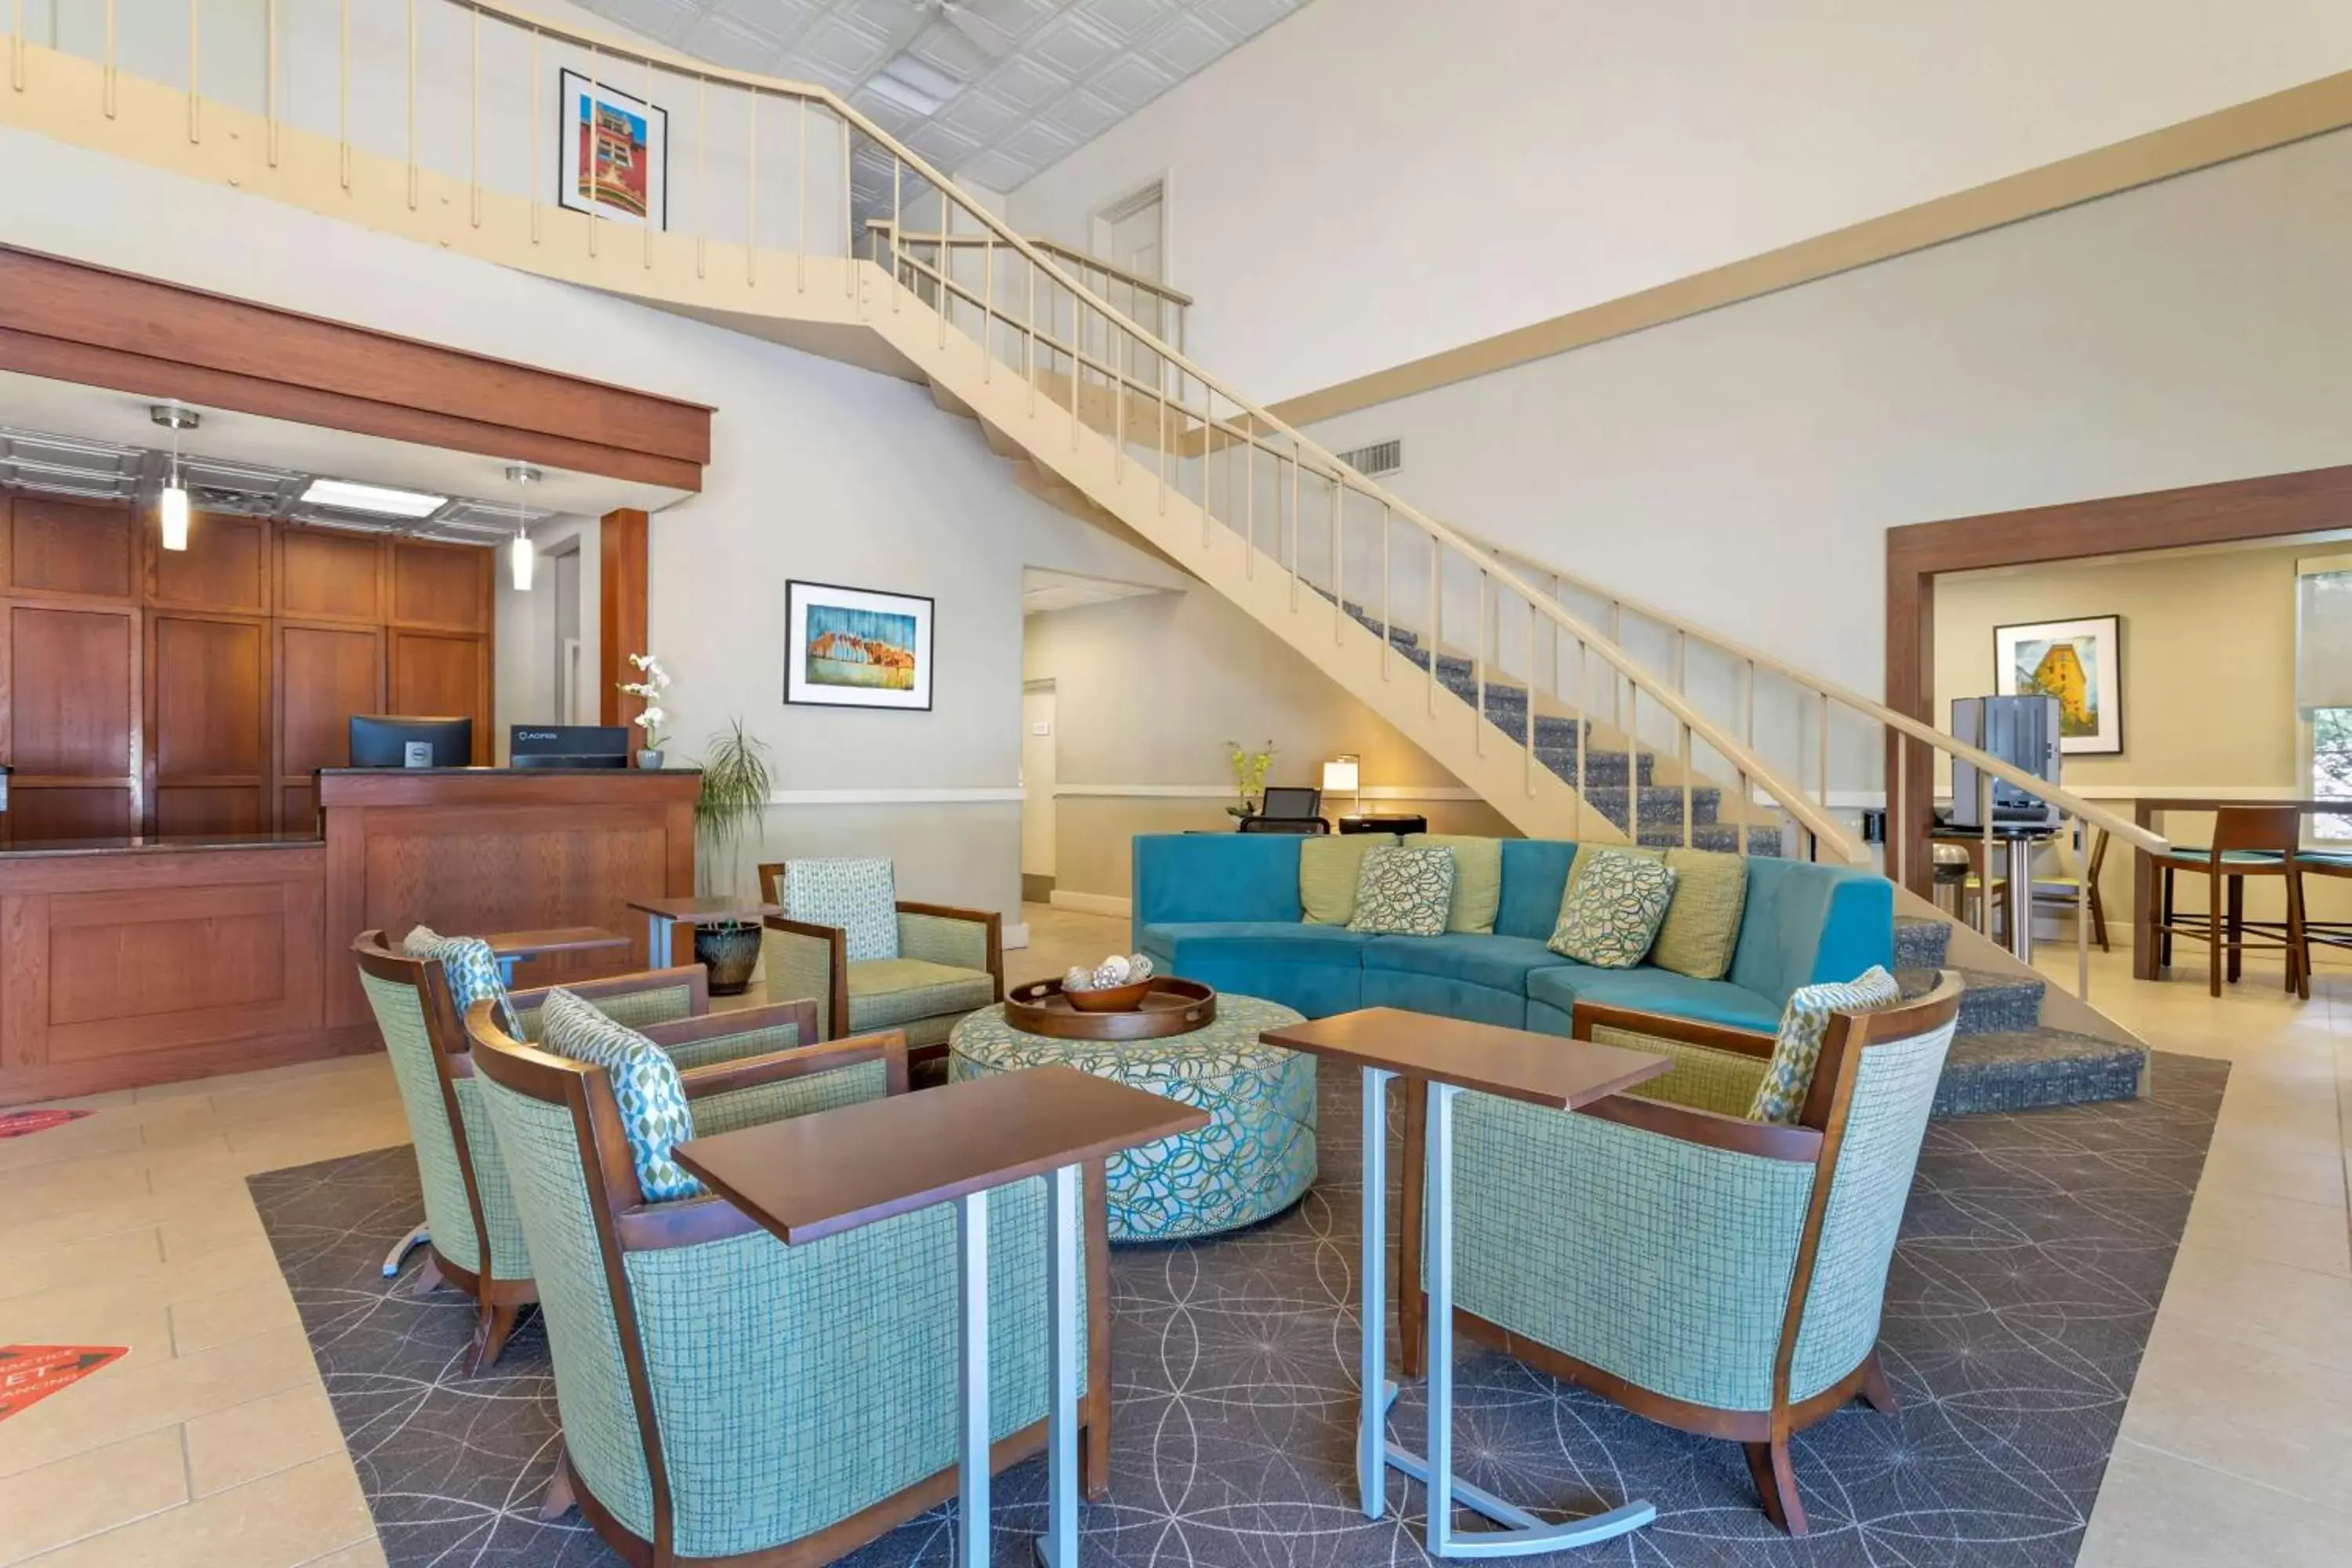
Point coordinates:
[[213, 1442]]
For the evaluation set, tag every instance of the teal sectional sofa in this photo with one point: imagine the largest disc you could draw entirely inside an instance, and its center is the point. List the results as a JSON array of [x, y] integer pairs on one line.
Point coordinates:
[[1223, 909]]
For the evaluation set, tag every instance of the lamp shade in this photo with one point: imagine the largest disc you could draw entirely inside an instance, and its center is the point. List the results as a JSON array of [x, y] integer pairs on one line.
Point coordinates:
[[172, 509], [522, 556], [1341, 775]]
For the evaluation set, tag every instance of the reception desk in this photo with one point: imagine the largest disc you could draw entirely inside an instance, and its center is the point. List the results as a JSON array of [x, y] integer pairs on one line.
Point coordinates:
[[127, 962]]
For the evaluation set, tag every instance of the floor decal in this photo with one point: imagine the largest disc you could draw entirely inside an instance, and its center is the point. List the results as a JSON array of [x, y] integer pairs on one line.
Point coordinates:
[[30, 1374], [23, 1123]]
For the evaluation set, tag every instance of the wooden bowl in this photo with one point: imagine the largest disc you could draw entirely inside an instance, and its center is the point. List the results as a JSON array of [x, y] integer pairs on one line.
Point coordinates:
[[1111, 999]]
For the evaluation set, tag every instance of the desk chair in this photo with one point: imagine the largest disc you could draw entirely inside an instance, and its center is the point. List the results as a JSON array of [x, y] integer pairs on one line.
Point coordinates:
[[2248, 841], [1287, 808]]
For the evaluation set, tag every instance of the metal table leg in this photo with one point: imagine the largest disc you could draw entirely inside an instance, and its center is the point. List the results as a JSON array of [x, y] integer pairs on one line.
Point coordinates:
[[971, 1359], [2020, 902], [1059, 1547], [660, 937], [1523, 1534], [507, 964]]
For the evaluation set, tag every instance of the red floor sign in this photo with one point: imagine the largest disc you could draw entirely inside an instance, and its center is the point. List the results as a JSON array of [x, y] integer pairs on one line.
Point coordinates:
[[18, 1123], [30, 1374]]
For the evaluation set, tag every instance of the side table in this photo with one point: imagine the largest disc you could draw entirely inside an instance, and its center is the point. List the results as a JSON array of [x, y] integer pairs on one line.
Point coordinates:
[[817, 1175], [665, 915], [1384, 822], [1452, 1055], [512, 948]]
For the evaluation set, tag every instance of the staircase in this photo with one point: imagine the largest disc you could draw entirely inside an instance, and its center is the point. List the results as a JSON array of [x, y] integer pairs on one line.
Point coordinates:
[[2003, 1056], [1544, 714]]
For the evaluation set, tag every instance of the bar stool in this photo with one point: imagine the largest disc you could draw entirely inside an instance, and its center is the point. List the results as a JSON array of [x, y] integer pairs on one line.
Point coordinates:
[[2328, 863], [2248, 841]]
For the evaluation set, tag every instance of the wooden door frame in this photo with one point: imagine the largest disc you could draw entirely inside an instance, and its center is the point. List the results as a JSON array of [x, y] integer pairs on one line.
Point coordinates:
[[2231, 511]]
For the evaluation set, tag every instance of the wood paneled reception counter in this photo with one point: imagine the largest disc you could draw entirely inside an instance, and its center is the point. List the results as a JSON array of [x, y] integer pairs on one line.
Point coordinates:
[[136, 961]]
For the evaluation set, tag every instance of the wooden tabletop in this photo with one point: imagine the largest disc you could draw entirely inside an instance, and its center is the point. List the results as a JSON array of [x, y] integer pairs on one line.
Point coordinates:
[[816, 1175], [561, 938], [1542, 1069], [694, 910]]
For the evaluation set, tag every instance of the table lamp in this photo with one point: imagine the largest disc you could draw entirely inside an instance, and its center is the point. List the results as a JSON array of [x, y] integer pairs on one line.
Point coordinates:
[[1344, 773]]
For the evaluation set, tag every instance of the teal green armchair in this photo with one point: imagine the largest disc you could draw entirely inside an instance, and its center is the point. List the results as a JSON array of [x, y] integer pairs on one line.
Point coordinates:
[[477, 1242], [949, 963], [1718, 1275], [726, 1398]]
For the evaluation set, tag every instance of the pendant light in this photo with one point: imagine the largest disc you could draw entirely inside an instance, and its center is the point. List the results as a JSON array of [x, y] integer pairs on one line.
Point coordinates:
[[522, 555], [172, 506]]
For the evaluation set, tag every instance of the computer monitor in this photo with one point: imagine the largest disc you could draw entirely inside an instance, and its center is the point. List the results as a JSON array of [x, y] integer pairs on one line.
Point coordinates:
[[1290, 803], [394, 740], [568, 746]]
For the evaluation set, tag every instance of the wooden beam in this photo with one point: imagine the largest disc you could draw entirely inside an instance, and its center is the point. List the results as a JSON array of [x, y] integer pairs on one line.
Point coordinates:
[[70, 321], [622, 610]]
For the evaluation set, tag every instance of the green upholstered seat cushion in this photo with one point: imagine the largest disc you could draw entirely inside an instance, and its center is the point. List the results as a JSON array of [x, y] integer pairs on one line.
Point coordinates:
[[887, 992], [1615, 902], [857, 895], [1477, 878], [1647, 988], [1781, 1096], [1404, 892], [472, 969], [645, 1084], [1702, 925], [1500, 962], [1328, 870]]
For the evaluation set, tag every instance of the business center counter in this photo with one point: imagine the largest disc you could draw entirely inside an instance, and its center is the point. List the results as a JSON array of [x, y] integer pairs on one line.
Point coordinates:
[[143, 960]]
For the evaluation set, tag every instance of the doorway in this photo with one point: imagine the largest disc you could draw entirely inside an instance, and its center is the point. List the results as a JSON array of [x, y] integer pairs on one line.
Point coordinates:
[[1039, 741], [1131, 234]]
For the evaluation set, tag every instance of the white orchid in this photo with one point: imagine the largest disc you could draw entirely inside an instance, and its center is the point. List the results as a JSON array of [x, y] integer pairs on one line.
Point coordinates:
[[654, 681]]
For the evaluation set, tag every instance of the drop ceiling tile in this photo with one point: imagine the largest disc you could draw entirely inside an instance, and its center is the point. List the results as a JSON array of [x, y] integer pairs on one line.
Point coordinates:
[[1183, 47], [945, 49], [736, 45], [1082, 116], [1025, 84], [1130, 82], [1013, 19], [832, 41], [1039, 142], [892, 117], [666, 21], [1240, 19], [943, 146], [982, 115], [1127, 20], [780, 19], [995, 170], [1068, 46]]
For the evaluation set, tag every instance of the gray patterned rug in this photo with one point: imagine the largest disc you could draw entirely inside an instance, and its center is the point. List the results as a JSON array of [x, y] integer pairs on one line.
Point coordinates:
[[2032, 1256]]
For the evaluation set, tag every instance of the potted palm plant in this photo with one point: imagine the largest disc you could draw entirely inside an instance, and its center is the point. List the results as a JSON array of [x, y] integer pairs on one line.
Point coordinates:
[[735, 790]]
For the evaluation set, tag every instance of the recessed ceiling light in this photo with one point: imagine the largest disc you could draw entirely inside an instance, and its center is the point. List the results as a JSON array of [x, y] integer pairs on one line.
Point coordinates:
[[344, 496]]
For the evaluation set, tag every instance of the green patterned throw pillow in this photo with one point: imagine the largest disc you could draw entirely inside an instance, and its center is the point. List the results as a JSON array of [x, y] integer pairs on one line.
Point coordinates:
[[1404, 892], [646, 1083], [1780, 1097], [1328, 870], [1613, 907]]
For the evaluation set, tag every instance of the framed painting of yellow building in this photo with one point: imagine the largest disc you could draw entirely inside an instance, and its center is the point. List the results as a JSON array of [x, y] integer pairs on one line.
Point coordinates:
[[2078, 662]]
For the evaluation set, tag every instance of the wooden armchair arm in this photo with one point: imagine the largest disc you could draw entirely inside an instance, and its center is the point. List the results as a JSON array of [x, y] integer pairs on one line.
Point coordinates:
[[992, 936], [1708, 1129], [1666, 1026], [802, 1014], [889, 1048], [693, 977]]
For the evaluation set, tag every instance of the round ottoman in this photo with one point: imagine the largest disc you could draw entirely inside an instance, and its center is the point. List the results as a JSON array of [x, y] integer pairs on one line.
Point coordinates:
[[1256, 1156]]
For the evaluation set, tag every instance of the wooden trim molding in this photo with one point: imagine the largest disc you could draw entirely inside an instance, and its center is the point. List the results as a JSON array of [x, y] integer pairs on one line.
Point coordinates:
[[72, 322], [623, 610], [2257, 126], [2232, 511]]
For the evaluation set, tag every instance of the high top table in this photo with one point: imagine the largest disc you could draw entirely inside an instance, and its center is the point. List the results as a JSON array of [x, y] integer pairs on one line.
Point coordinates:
[[1451, 1056], [811, 1176]]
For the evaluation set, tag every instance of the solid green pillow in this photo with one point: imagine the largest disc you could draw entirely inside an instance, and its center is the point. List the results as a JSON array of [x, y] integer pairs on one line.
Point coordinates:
[[1703, 922], [1328, 870], [1477, 878]]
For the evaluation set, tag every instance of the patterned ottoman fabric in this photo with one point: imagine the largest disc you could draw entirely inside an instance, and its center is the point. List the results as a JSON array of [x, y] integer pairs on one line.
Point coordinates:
[[1256, 1156]]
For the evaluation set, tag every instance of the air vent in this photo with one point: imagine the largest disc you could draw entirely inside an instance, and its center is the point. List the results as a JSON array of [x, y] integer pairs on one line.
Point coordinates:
[[1379, 457]]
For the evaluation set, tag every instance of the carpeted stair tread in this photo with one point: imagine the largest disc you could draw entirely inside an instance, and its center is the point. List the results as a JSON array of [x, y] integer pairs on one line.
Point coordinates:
[[1921, 942], [2020, 1069], [1990, 1003]]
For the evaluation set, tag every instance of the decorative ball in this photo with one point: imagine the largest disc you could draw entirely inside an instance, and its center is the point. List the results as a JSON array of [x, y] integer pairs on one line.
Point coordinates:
[[1078, 979], [1111, 971], [1138, 967]]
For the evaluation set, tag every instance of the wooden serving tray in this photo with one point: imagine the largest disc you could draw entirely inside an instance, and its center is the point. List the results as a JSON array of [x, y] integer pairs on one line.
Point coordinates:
[[1173, 1007]]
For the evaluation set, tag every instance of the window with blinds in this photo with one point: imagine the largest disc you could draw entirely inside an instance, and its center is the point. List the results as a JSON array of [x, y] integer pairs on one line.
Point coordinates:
[[2323, 683]]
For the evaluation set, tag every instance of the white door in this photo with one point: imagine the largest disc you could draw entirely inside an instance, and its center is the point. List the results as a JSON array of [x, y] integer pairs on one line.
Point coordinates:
[[1038, 740], [1131, 234]]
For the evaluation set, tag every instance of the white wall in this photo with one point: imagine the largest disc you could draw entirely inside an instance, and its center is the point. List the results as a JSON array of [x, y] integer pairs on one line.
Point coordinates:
[[1742, 467], [819, 470], [1371, 181]]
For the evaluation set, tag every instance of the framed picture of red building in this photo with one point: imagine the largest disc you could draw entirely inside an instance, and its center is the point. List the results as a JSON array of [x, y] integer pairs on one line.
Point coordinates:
[[612, 152]]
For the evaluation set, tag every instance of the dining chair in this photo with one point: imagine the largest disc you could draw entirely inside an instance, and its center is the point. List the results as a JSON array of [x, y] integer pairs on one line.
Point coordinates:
[[2063, 886], [2248, 841]]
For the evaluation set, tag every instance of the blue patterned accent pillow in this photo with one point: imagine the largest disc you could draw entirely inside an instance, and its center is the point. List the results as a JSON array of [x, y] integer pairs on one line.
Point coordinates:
[[860, 896], [1780, 1097], [644, 1081], [471, 968], [1615, 903], [1404, 892]]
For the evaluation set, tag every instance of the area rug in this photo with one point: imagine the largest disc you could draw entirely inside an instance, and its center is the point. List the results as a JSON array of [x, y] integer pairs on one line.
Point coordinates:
[[2033, 1255]]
